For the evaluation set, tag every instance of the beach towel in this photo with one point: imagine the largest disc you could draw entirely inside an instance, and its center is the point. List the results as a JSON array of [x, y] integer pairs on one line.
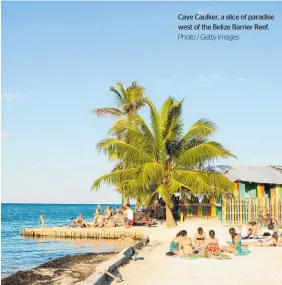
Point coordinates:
[[195, 256], [221, 256], [241, 250]]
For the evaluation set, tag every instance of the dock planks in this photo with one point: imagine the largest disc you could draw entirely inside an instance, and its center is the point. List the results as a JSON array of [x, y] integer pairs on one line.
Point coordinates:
[[92, 233]]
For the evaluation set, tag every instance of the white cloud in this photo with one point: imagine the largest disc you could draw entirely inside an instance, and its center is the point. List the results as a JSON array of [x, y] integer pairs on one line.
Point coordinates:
[[14, 96], [4, 135]]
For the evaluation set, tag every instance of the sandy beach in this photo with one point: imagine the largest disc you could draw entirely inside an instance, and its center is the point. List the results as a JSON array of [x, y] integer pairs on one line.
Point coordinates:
[[261, 266]]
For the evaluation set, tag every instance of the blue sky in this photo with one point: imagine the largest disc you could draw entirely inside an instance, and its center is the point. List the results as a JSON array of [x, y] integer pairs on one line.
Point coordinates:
[[59, 59]]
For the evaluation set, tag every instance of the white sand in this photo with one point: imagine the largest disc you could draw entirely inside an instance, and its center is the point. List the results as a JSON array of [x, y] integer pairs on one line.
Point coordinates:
[[261, 266]]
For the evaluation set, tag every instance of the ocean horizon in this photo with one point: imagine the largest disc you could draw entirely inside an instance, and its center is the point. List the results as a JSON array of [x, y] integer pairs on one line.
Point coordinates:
[[22, 253]]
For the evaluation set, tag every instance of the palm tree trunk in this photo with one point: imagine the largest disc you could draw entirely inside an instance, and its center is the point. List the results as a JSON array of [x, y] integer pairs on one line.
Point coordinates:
[[125, 200], [132, 113], [170, 222]]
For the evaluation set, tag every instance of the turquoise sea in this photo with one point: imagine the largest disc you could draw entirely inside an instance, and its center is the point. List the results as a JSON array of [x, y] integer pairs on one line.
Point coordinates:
[[21, 253]]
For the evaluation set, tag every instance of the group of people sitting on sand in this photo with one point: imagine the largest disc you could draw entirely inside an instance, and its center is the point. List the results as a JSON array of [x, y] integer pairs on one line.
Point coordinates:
[[124, 217], [208, 246]]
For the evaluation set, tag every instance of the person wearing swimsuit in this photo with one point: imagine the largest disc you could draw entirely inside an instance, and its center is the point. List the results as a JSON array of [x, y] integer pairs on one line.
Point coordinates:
[[211, 245], [236, 246], [185, 245], [174, 248], [274, 241], [199, 241]]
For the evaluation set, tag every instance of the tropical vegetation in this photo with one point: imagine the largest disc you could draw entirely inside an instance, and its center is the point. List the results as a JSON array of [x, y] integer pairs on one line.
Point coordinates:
[[128, 102], [161, 157]]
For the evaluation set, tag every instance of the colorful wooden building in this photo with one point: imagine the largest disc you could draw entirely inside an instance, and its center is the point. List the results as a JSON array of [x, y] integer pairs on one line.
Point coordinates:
[[250, 181], [254, 181]]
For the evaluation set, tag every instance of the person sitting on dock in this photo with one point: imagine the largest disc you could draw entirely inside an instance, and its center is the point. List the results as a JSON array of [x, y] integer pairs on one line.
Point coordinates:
[[109, 222], [73, 221], [111, 211], [98, 210], [118, 210], [118, 218], [108, 212], [79, 222], [199, 240], [97, 214], [99, 221], [108, 218]]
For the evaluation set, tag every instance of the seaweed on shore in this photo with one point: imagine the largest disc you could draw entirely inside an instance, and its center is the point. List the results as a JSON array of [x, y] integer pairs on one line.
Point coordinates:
[[74, 268]]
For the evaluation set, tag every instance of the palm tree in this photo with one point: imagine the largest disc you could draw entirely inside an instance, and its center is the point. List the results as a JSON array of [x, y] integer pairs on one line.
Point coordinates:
[[129, 101], [165, 156]]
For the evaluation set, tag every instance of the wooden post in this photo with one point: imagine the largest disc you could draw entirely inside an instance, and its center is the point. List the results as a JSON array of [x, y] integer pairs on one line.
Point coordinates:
[[265, 209], [223, 210], [251, 212], [257, 207], [181, 217]]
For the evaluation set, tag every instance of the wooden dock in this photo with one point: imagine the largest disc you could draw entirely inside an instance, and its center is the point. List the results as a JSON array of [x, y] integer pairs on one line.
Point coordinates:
[[92, 233]]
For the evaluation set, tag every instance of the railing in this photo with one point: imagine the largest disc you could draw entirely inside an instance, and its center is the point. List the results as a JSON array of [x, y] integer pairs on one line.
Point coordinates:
[[236, 212], [200, 210]]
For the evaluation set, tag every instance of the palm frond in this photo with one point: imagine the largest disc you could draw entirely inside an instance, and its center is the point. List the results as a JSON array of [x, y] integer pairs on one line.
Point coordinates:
[[155, 123], [107, 112], [122, 91], [114, 178], [174, 124], [124, 151], [165, 112], [119, 99], [145, 129], [202, 129], [133, 135], [118, 166], [150, 173], [203, 182], [119, 127], [164, 192], [208, 151]]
